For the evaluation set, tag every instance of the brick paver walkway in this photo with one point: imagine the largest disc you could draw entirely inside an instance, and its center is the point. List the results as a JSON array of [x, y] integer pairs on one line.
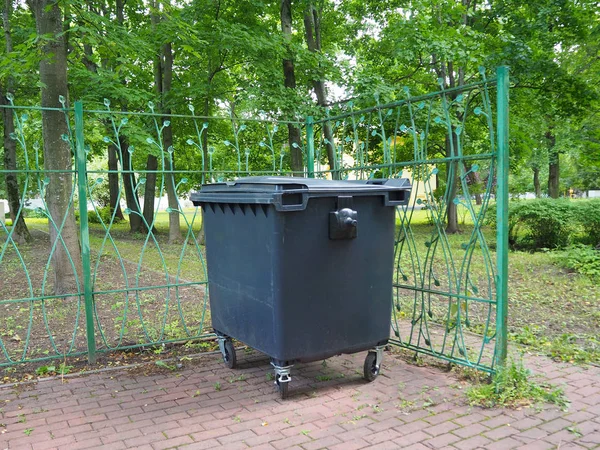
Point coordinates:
[[205, 405]]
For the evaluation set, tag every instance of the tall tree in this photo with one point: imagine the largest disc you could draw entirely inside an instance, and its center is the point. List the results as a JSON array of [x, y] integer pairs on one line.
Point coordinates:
[[112, 149], [289, 76], [312, 28], [20, 231], [163, 77], [66, 258]]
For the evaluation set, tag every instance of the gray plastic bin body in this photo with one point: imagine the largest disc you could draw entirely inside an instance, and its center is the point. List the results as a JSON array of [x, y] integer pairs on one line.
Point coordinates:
[[301, 269]]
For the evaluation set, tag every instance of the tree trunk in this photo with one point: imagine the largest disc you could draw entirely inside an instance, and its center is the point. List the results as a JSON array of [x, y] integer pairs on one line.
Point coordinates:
[[170, 182], [312, 29], [554, 175], [113, 182], [536, 182], [290, 83], [206, 176], [129, 182], [553, 166], [169, 175], [150, 192], [476, 183], [20, 231], [451, 178], [451, 151], [163, 76], [66, 258]]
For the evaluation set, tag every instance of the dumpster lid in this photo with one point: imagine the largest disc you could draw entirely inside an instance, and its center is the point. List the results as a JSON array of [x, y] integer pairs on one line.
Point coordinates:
[[269, 184], [292, 194]]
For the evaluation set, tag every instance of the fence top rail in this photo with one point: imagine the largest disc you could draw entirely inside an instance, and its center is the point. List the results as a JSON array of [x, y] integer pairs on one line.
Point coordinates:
[[458, 89], [152, 114], [397, 103], [193, 116]]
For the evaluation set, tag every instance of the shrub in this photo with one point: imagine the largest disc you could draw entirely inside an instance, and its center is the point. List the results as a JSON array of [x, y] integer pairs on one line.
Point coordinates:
[[542, 223], [36, 213], [549, 223], [582, 259], [588, 212], [103, 213]]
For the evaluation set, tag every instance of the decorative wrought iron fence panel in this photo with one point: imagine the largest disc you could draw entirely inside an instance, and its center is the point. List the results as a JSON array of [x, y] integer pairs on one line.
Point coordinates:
[[138, 272]]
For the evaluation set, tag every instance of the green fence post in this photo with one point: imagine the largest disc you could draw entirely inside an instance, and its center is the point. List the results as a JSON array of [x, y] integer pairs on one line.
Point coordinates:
[[310, 147], [85, 232], [502, 216]]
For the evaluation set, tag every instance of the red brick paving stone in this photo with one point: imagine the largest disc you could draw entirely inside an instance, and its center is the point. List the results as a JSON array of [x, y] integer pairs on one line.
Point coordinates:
[[385, 424], [579, 416], [114, 446], [501, 432], [145, 439], [527, 423], [441, 441], [265, 446], [593, 438], [561, 436], [550, 414], [234, 438], [325, 442], [209, 434], [416, 415], [121, 436], [173, 430], [381, 436], [357, 432], [84, 444], [350, 445], [537, 445], [499, 421], [470, 430], [202, 445], [473, 442], [571, 446], [408, 428], [263, 439], [416, 447], [473, 417], [555, 425], [171, 443], [533, 434], [271, 427], [289, 442], [503, 444], [236, 427], [61, 442], [133, 425], [445, 427], [413, 438], [439, 418], [383, 446]]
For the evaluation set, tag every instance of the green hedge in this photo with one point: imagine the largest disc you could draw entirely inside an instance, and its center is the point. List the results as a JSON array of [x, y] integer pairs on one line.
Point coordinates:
[[553, 223]]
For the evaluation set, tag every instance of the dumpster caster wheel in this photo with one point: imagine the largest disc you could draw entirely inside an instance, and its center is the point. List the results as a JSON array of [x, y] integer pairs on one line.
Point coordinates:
[[282, 386], [371, 369], [229, 356]]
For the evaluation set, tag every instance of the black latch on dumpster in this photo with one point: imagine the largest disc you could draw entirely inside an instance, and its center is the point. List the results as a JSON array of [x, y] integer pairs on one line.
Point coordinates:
[[343, 223]]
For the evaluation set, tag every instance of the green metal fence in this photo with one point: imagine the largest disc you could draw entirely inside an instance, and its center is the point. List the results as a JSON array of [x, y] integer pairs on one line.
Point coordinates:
[[148, 287]]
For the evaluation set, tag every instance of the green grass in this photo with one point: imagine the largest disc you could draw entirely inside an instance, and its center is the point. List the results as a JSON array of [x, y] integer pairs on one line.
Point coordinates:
[[514, 387]]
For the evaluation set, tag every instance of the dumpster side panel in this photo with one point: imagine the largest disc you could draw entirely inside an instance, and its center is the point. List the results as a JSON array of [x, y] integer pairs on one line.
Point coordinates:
[[336, 295], [242, 246]]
